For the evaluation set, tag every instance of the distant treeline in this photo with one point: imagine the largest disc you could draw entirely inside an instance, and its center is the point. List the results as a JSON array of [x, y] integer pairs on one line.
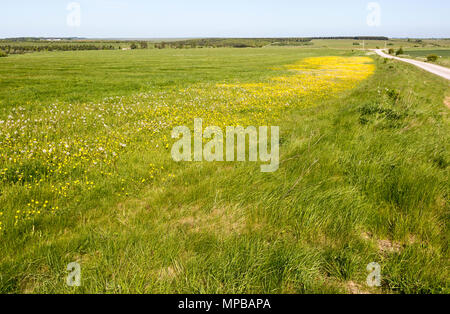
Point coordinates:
[[355, 38], [232, 42], [34, 39], [27, 45], [250, 42], [20, 49]]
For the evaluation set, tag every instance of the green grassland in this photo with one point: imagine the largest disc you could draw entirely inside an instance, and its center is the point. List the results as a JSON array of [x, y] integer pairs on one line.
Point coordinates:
[[363, 178], [373, 44], [422, 54], [91, 76]]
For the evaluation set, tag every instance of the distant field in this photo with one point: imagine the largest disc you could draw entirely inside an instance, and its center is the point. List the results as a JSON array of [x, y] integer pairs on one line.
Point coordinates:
[[425, 53], [85, 76], [443, 54], [372, 44], [86, 173]]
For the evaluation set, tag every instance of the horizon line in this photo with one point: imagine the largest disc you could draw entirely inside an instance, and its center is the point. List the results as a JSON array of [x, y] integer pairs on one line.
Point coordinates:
[[219, 37]]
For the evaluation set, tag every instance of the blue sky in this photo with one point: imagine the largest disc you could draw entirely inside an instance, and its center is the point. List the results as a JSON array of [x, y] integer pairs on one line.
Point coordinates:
[[225, 18]]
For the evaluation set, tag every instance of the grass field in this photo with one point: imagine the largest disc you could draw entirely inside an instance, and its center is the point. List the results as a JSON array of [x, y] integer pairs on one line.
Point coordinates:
[[86, 174], [425, 53], [422, 54]]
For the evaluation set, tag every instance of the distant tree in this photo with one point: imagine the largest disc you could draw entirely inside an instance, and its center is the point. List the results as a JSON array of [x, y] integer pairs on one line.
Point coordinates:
[[144, 45], [399, 52], [133, 46]]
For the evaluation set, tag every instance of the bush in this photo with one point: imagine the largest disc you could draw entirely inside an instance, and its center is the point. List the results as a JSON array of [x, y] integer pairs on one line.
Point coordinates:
[[432, 58], [133, 46], [391, 51], [3, 54], [399, 52]]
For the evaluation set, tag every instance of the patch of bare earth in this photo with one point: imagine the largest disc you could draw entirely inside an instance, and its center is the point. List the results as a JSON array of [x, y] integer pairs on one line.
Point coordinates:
[[447, 102], [384, 246], [171, 272], [221, 220], [387, 246], [354, 288]]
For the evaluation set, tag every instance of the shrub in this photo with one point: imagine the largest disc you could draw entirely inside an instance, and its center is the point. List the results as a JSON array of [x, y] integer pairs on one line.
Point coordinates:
[[356, 44], [3, 54], [393, 94], [432, 58], [133, 46], [399, 52], [391, 51]]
